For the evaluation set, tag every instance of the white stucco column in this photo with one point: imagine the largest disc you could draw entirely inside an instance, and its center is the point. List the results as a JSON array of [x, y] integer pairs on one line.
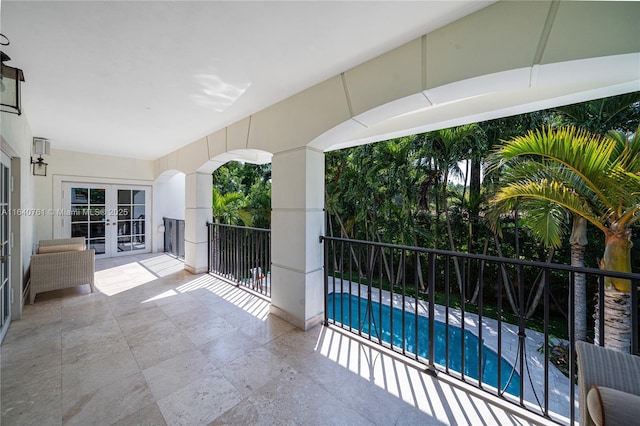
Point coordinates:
[[197, 214], [297, 221]]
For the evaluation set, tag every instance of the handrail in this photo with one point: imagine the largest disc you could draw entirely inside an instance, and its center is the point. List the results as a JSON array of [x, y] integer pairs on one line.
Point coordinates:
[[535, 263], [374, 274]]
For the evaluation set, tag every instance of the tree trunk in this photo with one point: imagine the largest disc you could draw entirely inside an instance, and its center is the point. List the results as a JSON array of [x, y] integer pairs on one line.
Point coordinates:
[[353, 254], [506, 281], [617, 320], [617, 297], [578, 242], [476, 291], [540, 291], [617, 257], [452, 245]]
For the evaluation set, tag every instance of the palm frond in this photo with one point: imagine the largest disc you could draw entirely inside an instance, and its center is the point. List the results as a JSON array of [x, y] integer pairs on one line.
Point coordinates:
[[546, 220], [549, 191], [585, 159]]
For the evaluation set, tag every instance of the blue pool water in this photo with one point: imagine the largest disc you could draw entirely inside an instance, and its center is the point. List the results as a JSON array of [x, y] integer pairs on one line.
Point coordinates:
[[339, 306]]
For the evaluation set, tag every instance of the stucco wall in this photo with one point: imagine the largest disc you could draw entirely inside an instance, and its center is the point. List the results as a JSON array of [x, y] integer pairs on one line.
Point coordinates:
[[16, 138], [67, 166]]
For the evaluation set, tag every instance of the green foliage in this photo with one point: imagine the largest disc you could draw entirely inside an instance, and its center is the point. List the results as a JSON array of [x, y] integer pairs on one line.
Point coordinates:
[[242, 194], [620, 113], [593, 177]]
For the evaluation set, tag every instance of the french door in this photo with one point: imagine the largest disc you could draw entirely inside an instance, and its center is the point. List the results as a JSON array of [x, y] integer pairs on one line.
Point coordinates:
[[5, 244], [113, 218]]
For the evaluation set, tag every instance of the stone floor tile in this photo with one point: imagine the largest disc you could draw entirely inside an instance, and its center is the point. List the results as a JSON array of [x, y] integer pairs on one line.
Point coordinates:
[[254, 370], [268, 330], [205, 332], [108, 404], [33, 403], [158, 342], [146, 416], [84, 377], [90, 333], [303, 401], [223, 350], [173, 374], [200, 402]]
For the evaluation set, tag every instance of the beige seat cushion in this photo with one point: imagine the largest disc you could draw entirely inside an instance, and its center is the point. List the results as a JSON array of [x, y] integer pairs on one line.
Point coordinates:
[[613, 407], [61, 248]]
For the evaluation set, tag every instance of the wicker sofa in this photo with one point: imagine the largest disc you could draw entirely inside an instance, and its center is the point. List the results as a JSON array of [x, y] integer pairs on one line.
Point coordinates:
[[608, 386], [61, 263]]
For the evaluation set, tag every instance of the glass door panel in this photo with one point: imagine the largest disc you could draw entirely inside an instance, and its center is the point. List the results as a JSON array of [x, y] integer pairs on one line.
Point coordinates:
[[88, 218], [112, 218], [132, 212], [5, 236]]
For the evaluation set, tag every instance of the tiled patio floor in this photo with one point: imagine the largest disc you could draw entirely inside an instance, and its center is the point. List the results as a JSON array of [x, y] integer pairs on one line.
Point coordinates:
[[158, 346]]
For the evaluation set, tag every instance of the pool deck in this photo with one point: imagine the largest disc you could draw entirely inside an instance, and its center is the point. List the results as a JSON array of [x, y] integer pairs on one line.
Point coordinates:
[[533, 380]]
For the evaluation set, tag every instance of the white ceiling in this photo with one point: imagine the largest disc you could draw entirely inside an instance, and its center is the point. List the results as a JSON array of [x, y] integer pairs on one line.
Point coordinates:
[[141, 79]]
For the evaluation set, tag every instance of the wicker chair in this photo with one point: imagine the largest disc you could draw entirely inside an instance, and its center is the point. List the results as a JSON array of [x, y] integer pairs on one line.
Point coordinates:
[[61, 263], [608, 386]]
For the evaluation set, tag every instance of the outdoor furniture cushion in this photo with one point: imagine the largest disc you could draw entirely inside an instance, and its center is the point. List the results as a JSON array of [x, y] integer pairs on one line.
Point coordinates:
[[61, 248], [612, 407], [605, 368]]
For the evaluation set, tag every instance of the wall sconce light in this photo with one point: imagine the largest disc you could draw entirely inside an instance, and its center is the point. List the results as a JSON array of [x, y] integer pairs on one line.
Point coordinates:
[[41, 147], [10, 78]]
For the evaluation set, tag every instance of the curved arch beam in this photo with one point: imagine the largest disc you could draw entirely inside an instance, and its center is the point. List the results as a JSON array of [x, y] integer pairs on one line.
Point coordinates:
[[507, 58]]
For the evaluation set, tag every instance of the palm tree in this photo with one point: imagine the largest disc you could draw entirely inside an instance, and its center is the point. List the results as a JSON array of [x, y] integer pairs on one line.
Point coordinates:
[[597, 116], [227, 208], [596, 179], [448, 147]]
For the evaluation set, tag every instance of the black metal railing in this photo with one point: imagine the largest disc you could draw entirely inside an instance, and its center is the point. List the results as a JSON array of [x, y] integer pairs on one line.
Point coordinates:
[[174, 237], [241, 254], [481, 332]]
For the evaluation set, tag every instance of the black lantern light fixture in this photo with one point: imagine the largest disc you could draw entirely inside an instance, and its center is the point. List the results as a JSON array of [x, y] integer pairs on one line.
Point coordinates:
[[9, 83], [41, 146]]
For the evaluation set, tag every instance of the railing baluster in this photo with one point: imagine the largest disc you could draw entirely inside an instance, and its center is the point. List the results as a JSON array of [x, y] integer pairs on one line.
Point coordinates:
[[500, 284], [359, 262], [431, 277], [545, 278], [634, 317], [391, 301], [572, 343], [350, 252], [600, 325], [325, 251], [447, 291], [480, 340], [521, 327], [209, 244], [404, 295], [380, 264], [462, 327], [416, 298]]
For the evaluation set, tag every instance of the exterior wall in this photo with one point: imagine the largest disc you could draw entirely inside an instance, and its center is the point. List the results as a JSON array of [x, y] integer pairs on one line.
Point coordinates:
[[16, 140], [67, 166], [169, 202]]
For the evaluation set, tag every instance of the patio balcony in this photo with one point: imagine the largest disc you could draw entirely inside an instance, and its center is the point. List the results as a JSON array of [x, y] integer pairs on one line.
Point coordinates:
[[157, 345], [491, 335]]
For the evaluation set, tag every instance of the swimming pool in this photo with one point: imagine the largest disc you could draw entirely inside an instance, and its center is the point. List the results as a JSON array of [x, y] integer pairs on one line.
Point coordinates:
[[345, 304]]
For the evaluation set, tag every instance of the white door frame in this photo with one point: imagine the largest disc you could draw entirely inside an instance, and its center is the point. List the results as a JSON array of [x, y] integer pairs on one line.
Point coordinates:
[[6, 292], [112, 210]]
